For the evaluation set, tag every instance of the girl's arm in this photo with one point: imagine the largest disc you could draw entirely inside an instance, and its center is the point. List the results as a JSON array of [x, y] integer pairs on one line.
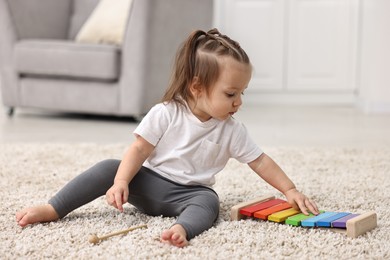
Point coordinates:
[[132, 161], [268, 170]]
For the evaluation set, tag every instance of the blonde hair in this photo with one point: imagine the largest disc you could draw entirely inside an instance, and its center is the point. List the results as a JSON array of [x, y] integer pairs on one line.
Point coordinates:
[[199, 57]]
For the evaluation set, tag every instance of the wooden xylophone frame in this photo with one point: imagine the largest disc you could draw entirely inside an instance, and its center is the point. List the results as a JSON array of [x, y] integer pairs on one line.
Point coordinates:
[[354, 227]]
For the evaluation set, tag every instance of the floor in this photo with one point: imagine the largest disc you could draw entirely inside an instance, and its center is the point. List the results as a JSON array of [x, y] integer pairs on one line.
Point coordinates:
[[268, 126]]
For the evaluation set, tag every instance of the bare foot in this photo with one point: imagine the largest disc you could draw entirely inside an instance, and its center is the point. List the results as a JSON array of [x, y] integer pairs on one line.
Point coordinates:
[[43, 213], [175, 236]]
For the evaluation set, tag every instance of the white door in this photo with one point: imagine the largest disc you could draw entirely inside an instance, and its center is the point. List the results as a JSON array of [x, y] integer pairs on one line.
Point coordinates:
[[259, 27], [299, 48], [322, 45]]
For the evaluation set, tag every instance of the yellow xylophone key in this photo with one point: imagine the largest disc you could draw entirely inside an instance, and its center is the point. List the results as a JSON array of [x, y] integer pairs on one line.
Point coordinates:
[[281, 216]]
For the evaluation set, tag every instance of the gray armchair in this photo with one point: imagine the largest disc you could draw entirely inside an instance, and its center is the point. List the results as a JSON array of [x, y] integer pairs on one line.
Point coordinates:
[[43, 67]]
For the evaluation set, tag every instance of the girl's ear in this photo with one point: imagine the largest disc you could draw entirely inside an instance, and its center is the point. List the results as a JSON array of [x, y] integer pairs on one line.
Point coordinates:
[[196, 87]]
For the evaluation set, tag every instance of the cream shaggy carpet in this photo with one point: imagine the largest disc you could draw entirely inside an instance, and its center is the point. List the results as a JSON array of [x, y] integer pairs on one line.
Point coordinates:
[[339, 179]]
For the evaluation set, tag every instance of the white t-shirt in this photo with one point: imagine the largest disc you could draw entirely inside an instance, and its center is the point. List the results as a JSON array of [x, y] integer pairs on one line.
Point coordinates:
[[191, 152]]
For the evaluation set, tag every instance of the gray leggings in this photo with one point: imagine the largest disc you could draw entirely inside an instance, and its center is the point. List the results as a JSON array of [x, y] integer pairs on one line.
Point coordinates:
[[197, 207]]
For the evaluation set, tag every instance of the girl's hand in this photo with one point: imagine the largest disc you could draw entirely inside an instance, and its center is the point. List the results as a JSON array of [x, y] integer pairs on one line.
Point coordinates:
[[118, 194], [301, 202]]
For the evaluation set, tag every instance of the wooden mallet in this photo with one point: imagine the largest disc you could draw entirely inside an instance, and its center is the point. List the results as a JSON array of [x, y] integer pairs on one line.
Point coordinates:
[[94, 239]]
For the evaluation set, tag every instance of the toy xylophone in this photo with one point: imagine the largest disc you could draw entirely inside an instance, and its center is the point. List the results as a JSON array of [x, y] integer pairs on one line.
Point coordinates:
[[280, 211]]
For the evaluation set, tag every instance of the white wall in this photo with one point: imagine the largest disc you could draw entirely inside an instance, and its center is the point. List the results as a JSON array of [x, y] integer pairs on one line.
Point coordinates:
[[374, 76], [303, 51], [367, 49]]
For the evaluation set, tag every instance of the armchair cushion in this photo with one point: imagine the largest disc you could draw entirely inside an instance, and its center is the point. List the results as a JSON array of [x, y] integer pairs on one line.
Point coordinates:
[[107, 23], [67, 59]]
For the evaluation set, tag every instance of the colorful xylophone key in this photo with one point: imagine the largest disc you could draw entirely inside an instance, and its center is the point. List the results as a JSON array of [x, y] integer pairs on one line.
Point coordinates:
[[277, 210], [281, 216], [296, 219], [328, 222], [248, 211], [263, 214], [342, 222], [312, 222]]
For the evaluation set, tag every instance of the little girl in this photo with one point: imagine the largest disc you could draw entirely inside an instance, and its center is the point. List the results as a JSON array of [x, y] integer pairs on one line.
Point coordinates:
[[180, 145]]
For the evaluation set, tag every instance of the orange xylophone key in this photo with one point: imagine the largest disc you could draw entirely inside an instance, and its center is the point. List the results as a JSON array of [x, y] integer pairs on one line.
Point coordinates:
[[263, 214], [249, 211]]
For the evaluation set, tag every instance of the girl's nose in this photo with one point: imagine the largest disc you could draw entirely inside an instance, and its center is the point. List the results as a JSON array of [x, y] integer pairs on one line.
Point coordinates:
[[238, 101]]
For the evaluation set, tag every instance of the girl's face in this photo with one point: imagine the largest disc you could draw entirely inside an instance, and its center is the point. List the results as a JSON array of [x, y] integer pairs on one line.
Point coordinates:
[[225, 96]]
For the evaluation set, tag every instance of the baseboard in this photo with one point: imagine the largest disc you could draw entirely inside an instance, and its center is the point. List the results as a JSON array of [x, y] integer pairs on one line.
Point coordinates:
[[370, 107]]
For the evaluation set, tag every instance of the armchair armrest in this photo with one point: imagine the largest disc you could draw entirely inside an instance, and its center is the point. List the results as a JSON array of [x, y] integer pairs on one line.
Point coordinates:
[[20, 19], [8, 39]]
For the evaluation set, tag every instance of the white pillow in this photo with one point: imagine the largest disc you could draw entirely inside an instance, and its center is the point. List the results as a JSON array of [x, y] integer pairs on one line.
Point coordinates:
[[106, 24]]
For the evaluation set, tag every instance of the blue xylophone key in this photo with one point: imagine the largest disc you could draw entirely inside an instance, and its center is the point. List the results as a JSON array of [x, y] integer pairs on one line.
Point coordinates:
[[311, 222], [326, 222]]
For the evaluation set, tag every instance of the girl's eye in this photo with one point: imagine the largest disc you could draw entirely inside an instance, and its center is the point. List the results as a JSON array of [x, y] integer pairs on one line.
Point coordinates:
[[233, 94]]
